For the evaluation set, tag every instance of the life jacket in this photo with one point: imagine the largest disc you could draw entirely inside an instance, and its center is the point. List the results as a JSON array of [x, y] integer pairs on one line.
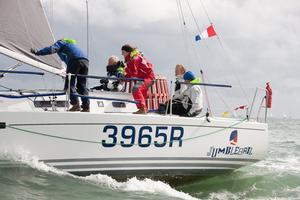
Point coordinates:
[[138, 66]]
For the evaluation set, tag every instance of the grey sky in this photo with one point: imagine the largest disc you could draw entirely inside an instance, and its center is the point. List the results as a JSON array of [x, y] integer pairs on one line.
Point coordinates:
[[259, 38]]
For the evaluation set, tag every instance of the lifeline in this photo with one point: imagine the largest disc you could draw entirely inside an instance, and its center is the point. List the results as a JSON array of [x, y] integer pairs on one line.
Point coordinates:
[[229, 151]]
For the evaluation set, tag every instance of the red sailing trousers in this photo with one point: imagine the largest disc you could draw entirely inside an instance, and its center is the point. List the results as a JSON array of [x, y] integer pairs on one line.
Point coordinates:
[[139, 91]]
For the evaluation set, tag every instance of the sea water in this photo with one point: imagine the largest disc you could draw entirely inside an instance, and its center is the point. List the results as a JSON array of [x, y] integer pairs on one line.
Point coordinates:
[[276, 177]]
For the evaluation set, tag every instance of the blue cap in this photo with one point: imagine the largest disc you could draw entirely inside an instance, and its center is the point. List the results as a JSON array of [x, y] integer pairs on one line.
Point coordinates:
[[189, 76]]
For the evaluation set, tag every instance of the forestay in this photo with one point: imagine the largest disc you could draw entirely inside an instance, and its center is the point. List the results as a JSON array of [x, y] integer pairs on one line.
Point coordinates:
[[23, 25]]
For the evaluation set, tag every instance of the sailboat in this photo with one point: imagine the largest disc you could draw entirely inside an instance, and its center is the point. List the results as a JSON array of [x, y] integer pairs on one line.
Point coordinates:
[[110, 139]]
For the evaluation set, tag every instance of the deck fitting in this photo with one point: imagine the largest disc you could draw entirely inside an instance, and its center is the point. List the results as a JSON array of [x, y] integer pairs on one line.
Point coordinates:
[[2, 125]]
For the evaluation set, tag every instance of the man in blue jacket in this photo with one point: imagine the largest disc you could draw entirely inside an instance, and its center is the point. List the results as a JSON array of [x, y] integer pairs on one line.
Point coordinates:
[[77, 63]]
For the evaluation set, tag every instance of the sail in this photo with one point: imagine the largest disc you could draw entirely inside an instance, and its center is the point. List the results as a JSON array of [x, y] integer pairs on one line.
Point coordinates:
[[23, 25]]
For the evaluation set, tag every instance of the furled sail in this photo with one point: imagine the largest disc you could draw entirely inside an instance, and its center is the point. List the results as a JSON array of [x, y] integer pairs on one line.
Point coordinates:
[[23, 25]]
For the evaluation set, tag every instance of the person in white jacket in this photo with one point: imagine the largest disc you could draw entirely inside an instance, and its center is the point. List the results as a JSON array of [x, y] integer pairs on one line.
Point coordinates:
[[189, 102]]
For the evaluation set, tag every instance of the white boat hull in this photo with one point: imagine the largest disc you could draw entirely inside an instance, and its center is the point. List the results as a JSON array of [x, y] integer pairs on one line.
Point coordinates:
[[131, 145]]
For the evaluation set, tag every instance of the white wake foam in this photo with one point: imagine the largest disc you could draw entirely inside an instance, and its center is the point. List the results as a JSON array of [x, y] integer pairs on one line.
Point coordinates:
[[23, 156], [135, 185], [132, 185], [290, 163]]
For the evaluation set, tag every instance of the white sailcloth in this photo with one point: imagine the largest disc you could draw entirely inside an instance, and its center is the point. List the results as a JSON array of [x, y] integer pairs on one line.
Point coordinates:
[[23, 25]]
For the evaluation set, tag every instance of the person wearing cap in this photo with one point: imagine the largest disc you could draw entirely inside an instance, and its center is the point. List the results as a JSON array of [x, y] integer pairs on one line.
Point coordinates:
[[190, 102], [77, 63], [137, 66]]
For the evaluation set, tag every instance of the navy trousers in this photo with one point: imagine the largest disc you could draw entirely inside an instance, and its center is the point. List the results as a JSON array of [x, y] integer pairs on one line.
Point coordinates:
[[78, 66]]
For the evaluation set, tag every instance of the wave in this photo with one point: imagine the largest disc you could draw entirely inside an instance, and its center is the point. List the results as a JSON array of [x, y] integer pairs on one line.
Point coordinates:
[[135, 185], [147, 186]]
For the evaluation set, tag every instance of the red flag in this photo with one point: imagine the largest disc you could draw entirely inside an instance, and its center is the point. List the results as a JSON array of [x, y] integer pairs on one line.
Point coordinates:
[[241, 107], [209, 32]]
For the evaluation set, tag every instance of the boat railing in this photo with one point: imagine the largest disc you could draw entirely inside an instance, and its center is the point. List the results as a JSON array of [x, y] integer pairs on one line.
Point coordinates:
[[157, 93], [262, 105]]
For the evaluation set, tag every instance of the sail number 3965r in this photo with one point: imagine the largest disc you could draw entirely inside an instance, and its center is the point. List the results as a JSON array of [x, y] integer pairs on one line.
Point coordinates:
[[144, 136]]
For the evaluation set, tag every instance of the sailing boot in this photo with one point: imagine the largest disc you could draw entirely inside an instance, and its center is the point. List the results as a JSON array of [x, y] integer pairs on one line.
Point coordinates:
[[85, 110], [75, 107], [142, 111]]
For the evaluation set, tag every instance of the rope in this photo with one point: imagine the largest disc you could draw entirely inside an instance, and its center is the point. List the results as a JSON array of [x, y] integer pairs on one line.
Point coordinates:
[[136, 144]]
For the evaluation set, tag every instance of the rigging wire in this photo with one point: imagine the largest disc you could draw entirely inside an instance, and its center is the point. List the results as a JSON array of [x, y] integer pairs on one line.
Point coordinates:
[[226, 54], [206, 94], [206, 13], [220, 96], [187, 34], [197, 25], [183, 26], [87, 29], [181, 12], [194, 18], [185, 31], [18, 64], [10, 89]]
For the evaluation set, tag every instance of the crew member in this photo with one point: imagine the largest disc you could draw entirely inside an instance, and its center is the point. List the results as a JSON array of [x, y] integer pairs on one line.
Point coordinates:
[[114, 68], [137, 66], [190, 102], [77, 63]]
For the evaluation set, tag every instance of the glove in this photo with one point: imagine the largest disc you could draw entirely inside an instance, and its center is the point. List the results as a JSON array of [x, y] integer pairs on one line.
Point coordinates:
[[115, 84], [103, 81], [121, 64], [34, 51]]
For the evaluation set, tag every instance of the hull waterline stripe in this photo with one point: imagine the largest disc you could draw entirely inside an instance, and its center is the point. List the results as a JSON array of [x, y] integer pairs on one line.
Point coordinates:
[[148, 158], [148, 165], [165, 173]]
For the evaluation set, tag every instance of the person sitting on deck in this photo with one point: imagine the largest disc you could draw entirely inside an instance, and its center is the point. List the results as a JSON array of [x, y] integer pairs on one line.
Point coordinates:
[[114, 68], [190, 102], [179, 88]]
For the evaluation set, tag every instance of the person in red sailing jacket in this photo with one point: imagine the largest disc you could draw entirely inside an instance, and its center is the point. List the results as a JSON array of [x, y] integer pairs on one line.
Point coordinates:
[[137, 66]]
